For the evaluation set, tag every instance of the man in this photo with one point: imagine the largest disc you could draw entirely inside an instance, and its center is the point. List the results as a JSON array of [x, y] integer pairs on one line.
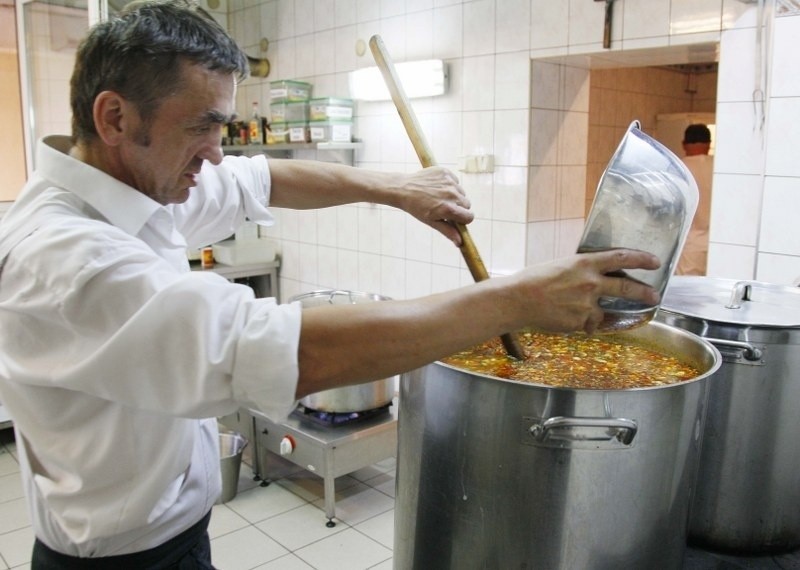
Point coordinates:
[[696, 145], [117, 358]]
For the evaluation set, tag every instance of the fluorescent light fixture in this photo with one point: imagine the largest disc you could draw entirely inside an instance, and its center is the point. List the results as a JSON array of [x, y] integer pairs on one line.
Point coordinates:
[[419, 79]]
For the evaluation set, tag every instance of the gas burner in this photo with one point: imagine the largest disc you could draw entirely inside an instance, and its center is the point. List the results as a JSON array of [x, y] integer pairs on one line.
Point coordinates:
[[336, 419]]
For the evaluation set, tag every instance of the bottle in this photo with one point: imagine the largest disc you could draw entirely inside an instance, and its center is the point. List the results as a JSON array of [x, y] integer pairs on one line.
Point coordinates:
[[256, 129]]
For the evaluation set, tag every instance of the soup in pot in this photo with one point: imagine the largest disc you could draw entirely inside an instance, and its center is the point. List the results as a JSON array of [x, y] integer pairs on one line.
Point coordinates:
[[576, 361]]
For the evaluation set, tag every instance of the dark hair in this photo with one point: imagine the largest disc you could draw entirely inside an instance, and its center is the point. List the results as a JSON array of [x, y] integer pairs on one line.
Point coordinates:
[[697, 133], [139, 53]]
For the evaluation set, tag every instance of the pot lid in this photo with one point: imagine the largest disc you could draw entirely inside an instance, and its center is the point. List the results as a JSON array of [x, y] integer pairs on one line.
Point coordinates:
[[733, 301]]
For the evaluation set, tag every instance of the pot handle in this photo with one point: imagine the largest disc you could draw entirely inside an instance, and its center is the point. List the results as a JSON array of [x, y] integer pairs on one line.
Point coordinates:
[[561, 431], [751, 352]]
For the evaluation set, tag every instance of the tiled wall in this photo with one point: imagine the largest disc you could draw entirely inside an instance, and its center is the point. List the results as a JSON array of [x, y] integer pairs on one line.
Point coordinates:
[[530, 208], [533, 118], [754, 229]]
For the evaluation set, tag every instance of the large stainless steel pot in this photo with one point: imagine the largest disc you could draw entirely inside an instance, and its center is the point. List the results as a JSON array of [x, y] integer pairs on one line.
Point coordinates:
[[497, 474], [748, 488], [359, 397]]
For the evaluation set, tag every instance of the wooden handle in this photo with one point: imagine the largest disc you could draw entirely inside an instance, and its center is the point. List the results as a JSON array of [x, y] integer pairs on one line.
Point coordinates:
[[468, 249]]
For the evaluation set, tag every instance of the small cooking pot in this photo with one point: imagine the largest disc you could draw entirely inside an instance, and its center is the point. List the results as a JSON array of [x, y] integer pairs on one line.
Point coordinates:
[[359, 397]]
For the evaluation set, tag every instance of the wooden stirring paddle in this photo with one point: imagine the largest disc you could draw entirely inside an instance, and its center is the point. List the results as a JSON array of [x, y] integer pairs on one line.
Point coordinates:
[[414, 131]]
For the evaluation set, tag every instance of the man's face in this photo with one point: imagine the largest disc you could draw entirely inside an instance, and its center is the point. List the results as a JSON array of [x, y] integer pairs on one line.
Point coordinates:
[[161, 159]]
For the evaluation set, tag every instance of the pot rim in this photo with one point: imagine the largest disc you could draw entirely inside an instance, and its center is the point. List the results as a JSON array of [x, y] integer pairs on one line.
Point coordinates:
[[678, 331]]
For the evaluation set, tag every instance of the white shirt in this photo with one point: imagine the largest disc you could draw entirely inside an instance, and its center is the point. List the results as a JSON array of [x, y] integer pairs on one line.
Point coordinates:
[[114, 352]]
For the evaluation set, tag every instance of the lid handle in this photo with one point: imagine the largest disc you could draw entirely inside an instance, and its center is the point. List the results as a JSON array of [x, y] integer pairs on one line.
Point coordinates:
[[740, 292]]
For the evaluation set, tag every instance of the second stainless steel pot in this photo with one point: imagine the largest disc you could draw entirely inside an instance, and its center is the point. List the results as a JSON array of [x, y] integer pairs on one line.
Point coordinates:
[[359, 397], [495, 474], [748, 485]]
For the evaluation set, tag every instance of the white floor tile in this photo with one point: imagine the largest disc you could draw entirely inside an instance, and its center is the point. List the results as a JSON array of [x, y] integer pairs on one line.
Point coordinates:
[[347, 550], [359, 503], [8, 463], [261, 503], [385, 565], [13, 515], [16, 546], [288, 562], [385, 483], [311, 487], [299, 527], [244, 549], [10, 487], [224, 520], [379, 528]]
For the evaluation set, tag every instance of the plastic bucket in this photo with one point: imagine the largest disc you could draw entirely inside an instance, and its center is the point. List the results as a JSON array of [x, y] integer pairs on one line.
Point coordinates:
[[231, 446]]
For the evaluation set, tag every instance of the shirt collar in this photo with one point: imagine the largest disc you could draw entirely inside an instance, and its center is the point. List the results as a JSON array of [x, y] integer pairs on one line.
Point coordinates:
[[122, 205]]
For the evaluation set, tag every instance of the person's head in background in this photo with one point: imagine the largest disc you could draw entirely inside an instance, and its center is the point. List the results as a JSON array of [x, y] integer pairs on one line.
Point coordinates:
[[696, 140]]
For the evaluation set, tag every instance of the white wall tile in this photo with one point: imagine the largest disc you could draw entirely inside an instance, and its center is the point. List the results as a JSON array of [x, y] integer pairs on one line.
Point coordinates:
[[344, 50], [544, 137], [418, 279], [542, 193], [285, 19], [735, 209], [444, 278], [511, 138], [418, 241], [574, 94], [479, 188], [345, 12], [324, 15], [324, 52], [393, 272], [510, 194], [786, 62], [367, 10], [392, 8], [508, 247], [783, 137], [778, 269], [737, 65], [540, 242], [347, 262], [731, 261], [477, 133], [512, 80], [568, 236], [448, 32], [545, 85], [549, 24], [476, 83], [691, 16], [479, 28], [739, 141], [419, 35], [308, 263], [646, 19], [369, 272], [446, 139], [586, 21], [393, 232], [573, 136], [303, 17], [393, 32], [327, 264], [347, 227], [418, 5], [512, 25], [571, 191], [369, 229], [779, 218]]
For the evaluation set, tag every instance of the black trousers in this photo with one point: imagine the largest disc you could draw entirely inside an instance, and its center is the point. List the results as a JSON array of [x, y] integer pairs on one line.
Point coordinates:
[[190, 550]]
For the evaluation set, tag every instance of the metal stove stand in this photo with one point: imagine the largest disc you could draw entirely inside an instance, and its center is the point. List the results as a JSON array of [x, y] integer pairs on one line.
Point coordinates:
[[327, 451]]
